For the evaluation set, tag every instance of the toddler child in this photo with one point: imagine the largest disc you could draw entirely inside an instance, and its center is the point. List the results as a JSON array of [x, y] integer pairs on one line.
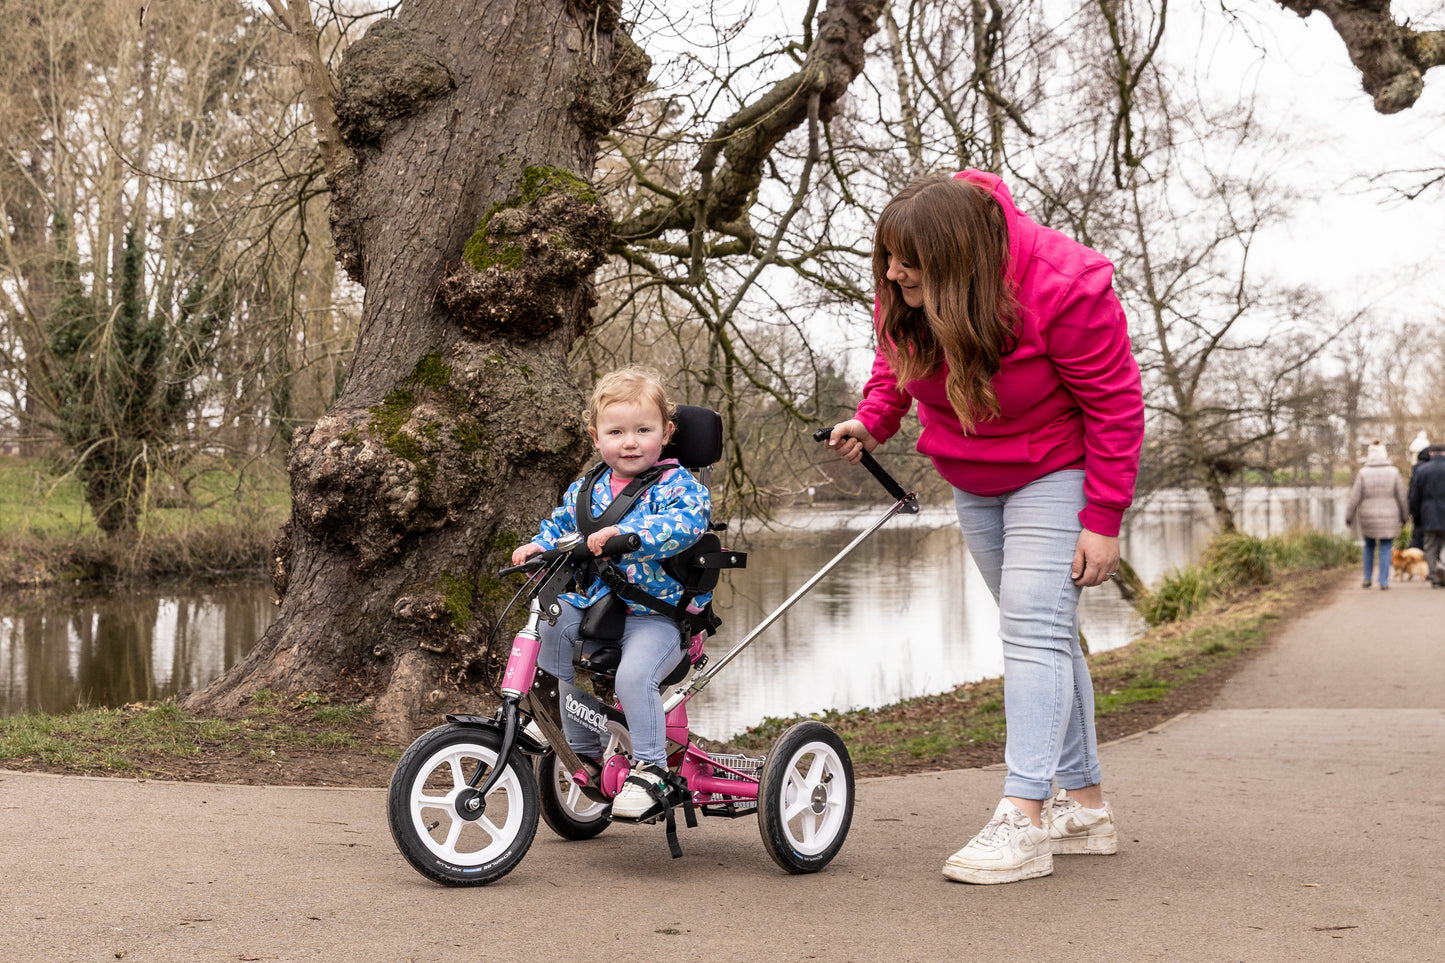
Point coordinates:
[[629, 419]]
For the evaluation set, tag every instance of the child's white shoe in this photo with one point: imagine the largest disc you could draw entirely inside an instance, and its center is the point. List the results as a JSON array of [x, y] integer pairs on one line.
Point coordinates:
[[642, 794]]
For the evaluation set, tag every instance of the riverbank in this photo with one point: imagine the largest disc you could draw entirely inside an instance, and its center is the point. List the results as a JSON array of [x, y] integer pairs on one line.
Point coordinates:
[[316, 740], [217, 521]]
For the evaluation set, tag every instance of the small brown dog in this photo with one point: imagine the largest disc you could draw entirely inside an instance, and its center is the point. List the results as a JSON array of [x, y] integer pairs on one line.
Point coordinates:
[[1409, 563]]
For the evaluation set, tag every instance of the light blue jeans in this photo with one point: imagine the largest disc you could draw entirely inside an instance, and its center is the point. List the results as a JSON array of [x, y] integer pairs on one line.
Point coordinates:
[[1384, 545], [651, 648], [1023, 543]]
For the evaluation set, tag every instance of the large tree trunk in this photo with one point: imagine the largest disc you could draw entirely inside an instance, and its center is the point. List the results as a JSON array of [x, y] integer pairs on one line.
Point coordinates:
[[458, 426]]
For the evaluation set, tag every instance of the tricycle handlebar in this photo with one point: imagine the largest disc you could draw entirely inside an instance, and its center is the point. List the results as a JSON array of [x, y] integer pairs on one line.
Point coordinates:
[[614, 546]]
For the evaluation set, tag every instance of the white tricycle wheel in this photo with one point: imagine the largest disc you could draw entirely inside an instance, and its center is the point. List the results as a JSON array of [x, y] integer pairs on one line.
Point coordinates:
[[805, 797], [441, 836]]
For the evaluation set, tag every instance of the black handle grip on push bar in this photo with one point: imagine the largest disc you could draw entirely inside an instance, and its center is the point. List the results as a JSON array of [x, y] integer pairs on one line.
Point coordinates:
[[876, 470]]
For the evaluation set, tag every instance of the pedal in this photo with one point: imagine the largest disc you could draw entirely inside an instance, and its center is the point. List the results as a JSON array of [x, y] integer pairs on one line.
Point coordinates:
[[648, 818]]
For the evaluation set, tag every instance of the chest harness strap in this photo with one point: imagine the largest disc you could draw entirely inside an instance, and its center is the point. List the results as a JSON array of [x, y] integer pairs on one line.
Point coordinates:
[[694, 568]]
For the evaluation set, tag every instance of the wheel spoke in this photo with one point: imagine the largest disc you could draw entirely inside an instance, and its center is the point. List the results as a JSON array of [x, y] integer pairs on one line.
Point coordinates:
[[809, 823], [454, 832], [493, 831], [459, 778], [815, 771]]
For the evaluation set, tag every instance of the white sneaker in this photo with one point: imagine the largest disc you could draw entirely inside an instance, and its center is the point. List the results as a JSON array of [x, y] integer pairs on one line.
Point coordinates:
[[1074, 829], [637, 800], [1008, 849]]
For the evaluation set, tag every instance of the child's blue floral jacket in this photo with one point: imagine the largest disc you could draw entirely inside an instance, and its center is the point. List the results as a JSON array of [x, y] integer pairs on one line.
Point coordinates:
[[669, 516]]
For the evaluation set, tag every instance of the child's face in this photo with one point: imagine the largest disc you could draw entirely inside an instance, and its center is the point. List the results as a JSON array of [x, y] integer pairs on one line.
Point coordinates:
[[630, 435]]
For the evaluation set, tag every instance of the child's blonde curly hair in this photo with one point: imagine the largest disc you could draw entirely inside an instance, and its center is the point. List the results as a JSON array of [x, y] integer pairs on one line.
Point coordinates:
[[635, 383]]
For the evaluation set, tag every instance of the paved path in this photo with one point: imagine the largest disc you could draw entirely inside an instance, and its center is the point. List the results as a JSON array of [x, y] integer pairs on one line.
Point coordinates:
[[1297, 819]]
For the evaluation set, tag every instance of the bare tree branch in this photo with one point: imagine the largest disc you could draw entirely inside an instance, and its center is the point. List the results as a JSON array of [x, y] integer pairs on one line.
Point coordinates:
[[1392, 57]]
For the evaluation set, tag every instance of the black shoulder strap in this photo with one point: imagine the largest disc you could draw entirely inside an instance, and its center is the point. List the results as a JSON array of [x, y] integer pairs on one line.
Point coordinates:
[[587, 523]]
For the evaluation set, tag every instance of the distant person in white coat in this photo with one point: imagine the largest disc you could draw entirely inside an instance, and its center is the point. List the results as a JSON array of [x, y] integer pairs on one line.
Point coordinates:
[[1378, 499]]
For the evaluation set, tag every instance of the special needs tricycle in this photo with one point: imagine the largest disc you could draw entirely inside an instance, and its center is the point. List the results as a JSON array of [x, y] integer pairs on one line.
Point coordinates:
[[465, 797]]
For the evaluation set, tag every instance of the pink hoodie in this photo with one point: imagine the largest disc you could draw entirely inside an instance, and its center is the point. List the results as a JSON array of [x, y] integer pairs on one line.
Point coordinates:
[[1069, 394]]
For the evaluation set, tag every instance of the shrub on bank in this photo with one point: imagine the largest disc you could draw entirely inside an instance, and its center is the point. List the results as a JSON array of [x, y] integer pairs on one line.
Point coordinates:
[[214, 550], [1236, 562]]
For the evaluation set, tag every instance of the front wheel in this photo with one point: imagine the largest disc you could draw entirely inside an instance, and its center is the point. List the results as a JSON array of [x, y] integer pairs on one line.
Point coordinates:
[[805, 797], [570, 813], [433, 815]]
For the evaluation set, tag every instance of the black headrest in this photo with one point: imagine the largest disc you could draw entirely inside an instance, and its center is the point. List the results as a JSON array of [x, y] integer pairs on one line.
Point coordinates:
[[697, 441]]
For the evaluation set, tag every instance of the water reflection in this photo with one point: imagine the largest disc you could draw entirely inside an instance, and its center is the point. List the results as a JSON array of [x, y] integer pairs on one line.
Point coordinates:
[[62, 649], [907, 614], [1172, 527]]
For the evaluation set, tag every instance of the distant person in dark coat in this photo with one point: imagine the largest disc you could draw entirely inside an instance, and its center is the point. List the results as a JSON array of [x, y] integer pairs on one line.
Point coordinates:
[[1417, 534], [1427, 508]]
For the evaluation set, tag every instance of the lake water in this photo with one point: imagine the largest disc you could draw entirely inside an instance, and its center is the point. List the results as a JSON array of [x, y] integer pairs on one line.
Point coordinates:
[[906, 614]]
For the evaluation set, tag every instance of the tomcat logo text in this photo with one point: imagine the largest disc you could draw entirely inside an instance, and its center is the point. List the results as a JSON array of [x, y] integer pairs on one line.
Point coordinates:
[[585, 714]]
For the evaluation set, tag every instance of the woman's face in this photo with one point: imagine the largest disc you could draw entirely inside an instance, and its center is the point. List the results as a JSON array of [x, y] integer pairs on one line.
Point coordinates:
[[909, 280]]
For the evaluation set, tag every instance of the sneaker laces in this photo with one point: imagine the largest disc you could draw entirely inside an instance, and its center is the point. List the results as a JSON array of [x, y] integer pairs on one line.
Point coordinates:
[[998, 827]]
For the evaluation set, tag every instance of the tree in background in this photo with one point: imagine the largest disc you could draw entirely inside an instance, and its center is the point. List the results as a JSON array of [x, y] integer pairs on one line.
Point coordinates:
[[122, 379], [151, 170]]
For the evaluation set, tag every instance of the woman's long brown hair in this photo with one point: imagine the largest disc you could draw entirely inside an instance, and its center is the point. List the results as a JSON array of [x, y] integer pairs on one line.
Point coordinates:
[[956, 235]]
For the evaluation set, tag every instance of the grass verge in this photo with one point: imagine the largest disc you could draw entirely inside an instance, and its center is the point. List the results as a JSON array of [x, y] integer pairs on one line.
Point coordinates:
[[305, 740], [222, 519]]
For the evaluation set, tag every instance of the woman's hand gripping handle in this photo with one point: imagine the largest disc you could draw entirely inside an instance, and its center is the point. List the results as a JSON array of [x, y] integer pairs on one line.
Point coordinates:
[[854, 444]]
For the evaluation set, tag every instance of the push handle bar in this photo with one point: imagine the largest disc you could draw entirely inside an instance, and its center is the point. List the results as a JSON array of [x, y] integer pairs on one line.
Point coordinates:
[[876, 470], [907, 504]]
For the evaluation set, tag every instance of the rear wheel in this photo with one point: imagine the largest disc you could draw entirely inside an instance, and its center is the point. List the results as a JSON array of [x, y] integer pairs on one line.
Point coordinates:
[[805, 797], [430, 807], [565, 808]]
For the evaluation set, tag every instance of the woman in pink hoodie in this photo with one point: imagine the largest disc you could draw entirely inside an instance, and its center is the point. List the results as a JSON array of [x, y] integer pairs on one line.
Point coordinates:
[[1011, 340]]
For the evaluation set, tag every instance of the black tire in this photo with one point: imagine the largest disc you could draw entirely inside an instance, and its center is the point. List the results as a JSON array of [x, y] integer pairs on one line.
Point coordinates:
[[565, 809], [805, 797], [425, 821]]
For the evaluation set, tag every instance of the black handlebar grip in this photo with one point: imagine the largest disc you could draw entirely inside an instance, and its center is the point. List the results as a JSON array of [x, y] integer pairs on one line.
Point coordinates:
[[869, 462], [530, 565], [534, 563], [622, 544]]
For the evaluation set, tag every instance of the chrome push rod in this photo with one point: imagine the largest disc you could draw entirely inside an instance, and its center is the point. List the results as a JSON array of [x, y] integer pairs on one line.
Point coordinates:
[[907, 504]]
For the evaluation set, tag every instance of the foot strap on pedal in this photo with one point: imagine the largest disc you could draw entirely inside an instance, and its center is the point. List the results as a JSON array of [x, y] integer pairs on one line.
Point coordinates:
[[677, 787]]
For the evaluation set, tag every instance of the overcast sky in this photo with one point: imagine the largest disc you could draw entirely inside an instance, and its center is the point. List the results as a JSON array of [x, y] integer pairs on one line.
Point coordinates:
[[1361, 243]]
